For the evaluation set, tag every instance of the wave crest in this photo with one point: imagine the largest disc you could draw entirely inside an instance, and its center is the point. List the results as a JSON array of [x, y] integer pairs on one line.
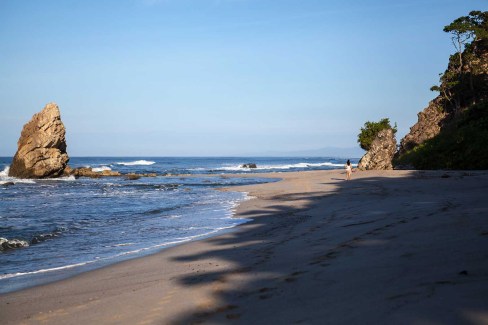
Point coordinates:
[[5, 179], [137, 163], [101, 169], [282, 167]]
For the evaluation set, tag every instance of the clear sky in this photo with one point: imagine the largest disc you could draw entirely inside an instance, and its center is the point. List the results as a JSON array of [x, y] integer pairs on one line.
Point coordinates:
[[219, 77]]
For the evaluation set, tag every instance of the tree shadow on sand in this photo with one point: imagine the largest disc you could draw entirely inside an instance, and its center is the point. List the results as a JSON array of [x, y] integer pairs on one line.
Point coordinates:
[[350, 255]]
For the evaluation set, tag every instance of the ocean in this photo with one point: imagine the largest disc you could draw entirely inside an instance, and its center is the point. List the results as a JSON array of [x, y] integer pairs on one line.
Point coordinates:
[[75, 225]]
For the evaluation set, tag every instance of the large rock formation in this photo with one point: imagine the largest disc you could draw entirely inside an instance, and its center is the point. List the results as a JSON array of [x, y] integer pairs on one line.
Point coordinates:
[[41, 149], [381, 153], [429, 124], [450, 132]]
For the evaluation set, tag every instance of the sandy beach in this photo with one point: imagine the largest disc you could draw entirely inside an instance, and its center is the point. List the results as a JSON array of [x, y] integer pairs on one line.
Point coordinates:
[[387, 247]]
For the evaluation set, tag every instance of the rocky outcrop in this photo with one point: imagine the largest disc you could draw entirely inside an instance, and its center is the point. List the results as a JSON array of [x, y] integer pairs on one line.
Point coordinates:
[[12, 243], [460, 89], [429, 124], [381, 153], [41, 149], [88, 172], [250, 165]]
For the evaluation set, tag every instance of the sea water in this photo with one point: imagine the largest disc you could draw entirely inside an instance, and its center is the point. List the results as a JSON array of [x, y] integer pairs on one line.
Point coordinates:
[[74, 225]]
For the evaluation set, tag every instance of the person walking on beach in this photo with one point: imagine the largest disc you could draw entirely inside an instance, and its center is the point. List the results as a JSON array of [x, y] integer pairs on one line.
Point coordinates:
[[348, 170]]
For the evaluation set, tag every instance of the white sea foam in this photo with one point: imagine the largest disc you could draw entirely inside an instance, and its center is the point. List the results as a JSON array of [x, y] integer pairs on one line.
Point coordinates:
[[13, 275], [4, 178], [120, 245], [67, 178], [137, 163], [4, 173], [101, 169], [282, 167], [98, 259], [149, 249], [62, 179], [175, 242]]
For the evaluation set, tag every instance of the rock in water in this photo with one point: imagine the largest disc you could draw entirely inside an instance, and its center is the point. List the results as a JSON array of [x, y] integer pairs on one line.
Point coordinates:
[[250, 165], [381, 153], [12, 243], [41, 151]]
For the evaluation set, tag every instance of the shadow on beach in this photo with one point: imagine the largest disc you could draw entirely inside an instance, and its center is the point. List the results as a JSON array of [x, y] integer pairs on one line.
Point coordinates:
[[370, 250]]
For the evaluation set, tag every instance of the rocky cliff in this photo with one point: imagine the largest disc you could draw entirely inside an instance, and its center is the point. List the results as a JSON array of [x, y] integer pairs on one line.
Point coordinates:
[[459, 90], [381, 153], [41, 149], [429, 124], [451, 132]]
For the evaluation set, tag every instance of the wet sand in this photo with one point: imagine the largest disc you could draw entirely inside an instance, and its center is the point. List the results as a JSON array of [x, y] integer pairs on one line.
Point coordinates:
[[388, 247]]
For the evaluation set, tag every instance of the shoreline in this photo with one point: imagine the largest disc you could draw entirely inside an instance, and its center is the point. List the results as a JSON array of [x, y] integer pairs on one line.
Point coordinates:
[[298, 259], [69, 271]]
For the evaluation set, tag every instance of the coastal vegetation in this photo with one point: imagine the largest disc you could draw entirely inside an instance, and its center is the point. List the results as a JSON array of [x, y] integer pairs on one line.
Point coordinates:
[[452, 131], [370, 131], [461, 144]]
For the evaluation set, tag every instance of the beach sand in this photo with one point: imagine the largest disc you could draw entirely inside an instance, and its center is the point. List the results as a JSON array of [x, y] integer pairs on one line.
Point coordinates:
[[388, 247]]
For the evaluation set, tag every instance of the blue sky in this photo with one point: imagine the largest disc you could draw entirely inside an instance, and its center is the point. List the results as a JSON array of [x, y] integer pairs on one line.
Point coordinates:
[[219, 77]]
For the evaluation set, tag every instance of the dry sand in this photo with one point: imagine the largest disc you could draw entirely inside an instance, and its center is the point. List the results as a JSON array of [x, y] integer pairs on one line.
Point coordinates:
[[391, 247]]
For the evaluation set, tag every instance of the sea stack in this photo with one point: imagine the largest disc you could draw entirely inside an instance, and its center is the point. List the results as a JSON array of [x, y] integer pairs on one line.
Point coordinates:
[[380, 155], [41, 151]]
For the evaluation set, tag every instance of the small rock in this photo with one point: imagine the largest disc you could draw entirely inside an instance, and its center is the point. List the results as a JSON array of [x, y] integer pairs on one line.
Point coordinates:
[[250, 165], [132, 177], [463, 272], [12, 243]]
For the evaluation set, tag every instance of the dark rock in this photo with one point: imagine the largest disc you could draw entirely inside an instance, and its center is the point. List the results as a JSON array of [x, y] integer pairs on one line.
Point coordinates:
[[12, 243], [40, 238], [41, 149], [250, 165], [381, 153]]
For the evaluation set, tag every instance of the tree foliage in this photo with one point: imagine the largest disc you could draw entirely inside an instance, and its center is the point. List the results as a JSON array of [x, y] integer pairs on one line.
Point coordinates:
[[468, 28], [370, 131], [458, 84], [460, 145]]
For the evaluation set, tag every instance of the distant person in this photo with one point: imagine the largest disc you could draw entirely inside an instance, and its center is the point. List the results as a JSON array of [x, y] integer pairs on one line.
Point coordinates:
[[348, 170]]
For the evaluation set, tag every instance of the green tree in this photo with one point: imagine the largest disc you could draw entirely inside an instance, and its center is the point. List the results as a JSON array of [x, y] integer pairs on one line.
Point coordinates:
[[465, 31], [467, 28], [370, 131]]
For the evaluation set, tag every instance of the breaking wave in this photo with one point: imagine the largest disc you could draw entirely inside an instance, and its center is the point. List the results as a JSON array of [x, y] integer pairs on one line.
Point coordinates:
[[137, 163], [283, 167], [101, 169], [5, 179]]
